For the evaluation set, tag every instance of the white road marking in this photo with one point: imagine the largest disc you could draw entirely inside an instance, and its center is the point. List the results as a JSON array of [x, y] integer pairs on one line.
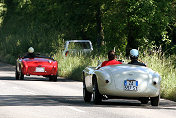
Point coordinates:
[[75, 109], [31, 93]]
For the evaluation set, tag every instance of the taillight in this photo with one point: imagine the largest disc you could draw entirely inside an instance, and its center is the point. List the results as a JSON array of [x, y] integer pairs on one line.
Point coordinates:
[[66, 53]]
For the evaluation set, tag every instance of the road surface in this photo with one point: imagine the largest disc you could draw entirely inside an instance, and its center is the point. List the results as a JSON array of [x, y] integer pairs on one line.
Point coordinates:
[[36, 97]]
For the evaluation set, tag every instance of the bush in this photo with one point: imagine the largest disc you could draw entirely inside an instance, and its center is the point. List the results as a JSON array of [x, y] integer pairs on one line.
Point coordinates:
[[166, 68], [72, 66]]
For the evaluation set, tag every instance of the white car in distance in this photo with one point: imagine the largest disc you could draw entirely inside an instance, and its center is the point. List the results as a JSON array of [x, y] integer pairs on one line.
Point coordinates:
[[77, 46]]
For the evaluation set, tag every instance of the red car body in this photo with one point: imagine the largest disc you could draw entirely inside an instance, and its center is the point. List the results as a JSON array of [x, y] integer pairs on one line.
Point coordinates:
[[44, 66]]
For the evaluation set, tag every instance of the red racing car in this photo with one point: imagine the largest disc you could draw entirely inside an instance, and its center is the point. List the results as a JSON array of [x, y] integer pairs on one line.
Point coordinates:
[[38, 65]]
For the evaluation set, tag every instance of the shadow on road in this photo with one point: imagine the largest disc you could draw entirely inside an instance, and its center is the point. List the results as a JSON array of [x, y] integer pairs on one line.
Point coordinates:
[[43, 100], [26, 78], [6, 67], [39, 78]]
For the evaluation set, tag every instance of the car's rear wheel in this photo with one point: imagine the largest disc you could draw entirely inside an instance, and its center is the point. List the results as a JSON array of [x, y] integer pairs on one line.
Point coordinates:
[[50, 78], [144, 100], [21, 76], [155, 100], [97, 97], [86, 94], [53, 78], [17, 75]]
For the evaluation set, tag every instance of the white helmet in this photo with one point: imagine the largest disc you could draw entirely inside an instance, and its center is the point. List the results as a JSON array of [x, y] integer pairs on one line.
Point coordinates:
[[31, 50], [134, 53]]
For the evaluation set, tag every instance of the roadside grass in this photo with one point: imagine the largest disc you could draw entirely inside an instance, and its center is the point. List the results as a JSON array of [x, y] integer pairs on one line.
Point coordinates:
[[71, 66], [166, 68], [8, 58]]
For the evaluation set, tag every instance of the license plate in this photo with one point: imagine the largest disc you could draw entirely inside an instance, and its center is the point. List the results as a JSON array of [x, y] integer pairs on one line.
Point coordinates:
[[131, 85], [40, 69]]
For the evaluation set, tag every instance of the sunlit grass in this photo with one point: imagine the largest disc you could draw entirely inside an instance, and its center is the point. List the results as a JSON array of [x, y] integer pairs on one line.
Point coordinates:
[[165, 67], [2, 9], [71, 66]]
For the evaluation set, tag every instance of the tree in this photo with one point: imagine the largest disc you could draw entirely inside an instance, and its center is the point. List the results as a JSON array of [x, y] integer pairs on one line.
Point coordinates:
[[143, 20]]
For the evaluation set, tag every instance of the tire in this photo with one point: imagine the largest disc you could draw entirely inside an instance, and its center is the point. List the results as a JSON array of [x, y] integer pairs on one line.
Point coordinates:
[[86, 94], [53, 78], [144, 100], [97, 97], [50, 78], [21, 76], [155, 100], [17, 75]]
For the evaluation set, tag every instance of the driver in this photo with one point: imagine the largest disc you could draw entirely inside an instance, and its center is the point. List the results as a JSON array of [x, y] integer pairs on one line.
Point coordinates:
[[134, 58], [30, 53], [111, 59]]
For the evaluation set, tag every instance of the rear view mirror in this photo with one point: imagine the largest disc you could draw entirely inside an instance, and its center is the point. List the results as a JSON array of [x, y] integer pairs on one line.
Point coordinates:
[[38, 54], [99, 62]]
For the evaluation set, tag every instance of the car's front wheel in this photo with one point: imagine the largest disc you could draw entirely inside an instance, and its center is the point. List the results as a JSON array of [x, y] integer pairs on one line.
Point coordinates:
[[155, 100], [97, 97]]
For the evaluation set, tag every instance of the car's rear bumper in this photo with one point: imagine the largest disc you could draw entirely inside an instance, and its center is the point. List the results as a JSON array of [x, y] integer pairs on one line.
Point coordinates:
[[116, 85], [112, 91], [31, 70]]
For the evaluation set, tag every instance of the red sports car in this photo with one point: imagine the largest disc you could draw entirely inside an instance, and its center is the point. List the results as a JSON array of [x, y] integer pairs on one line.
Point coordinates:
[[39, 65]]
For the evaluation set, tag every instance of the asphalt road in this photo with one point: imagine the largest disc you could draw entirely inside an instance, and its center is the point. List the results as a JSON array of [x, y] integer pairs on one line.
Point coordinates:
[[36, 97]]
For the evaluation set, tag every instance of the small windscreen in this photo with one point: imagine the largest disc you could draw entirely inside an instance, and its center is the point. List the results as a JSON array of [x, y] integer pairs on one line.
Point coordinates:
[[79, 45]]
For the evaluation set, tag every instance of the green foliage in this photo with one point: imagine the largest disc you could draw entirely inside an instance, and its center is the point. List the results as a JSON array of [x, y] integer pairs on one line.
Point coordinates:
[[166, 68], [45, 24], [72, 65]]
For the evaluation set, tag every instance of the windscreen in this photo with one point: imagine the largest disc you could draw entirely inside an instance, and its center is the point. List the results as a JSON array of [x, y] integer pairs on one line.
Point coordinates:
[[79, 45]]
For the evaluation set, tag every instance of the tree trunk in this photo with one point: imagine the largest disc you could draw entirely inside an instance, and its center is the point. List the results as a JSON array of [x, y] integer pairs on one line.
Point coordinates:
[[131, 44], [100, 31]]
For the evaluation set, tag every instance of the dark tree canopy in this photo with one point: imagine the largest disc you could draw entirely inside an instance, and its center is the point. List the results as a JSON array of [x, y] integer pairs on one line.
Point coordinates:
[[123, 24]]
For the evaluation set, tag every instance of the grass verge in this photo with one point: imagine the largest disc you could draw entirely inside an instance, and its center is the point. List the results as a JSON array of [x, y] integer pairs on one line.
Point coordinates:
[[166, 68], [72, 66]]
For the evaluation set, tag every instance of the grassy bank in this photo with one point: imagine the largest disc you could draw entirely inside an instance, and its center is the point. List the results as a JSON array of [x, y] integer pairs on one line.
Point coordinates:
[[72, 66], [7, 58], [165, 67]]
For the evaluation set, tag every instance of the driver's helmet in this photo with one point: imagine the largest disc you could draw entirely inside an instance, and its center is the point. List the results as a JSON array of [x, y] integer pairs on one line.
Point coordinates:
[[31, 50], [134, 53]]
